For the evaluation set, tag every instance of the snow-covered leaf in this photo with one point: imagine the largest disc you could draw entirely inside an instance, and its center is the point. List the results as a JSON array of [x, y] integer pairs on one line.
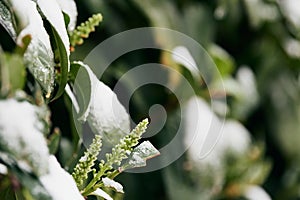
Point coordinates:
[[53, 13], [102, 194], [100, 106], [243, 89], [38, 56], [201, 123], [59, 183], [6, 20], [69, 7], [112, 184], [24, 141], [140, 155], [182, 56]]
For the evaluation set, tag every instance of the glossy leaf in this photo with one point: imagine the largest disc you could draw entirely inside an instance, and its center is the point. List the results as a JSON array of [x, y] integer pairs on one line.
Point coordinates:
[[60, 41], [63, 58]]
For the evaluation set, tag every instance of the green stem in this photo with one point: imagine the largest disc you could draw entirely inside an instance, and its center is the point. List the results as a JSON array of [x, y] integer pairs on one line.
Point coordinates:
[[90, 187]]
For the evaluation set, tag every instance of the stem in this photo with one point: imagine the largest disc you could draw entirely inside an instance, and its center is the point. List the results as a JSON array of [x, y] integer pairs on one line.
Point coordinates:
[[90, 187], [114, 174]]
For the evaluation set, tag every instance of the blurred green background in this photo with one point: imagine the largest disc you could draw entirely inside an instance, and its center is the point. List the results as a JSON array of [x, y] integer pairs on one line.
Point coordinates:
[[261, 35]]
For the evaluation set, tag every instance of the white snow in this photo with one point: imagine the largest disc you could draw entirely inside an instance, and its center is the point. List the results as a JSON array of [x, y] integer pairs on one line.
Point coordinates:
[[113, 184], [254, 192], [3, 169], [60, 183], [21, 133], [72, 97], [101, 193], [107, 115], [53, 14], [69, 7], [30, 19], [182, 56]]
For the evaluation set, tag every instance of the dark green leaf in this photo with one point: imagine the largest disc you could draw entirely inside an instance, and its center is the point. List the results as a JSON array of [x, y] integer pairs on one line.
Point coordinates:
[[63, 59], [53, 141]]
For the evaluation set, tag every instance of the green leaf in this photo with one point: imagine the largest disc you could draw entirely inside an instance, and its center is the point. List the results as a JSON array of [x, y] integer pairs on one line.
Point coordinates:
[[12, 72], [53, 141], [222, 59], [82, 79], [17, 73], [63, 59], [7, 20]]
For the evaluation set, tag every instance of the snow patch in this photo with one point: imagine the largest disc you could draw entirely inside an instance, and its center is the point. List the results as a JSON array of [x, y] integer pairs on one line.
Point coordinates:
[[60, 183], [113, 184], [101, 193], [3, 169]]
